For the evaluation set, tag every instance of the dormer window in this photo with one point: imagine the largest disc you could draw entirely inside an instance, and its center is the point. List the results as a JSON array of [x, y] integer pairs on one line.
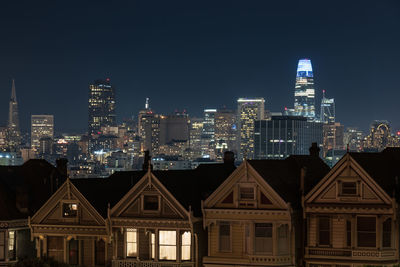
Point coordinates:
[[349, 188], [150, 203], [70, 210], [246, 193]]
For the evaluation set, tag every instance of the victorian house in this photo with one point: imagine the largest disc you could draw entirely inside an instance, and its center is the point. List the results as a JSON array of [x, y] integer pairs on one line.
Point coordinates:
[[23, 190], [254, 217], [351, 213], [138, 218]]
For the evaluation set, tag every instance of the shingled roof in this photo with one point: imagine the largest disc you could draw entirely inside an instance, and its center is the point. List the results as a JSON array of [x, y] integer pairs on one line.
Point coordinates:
[[189, 187], [284, 175], [383, 167]]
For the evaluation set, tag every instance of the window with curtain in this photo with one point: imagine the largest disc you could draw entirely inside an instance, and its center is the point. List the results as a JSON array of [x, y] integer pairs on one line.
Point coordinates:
[[2, 245], [366, 231], [224, 236], [263, 237], [387, 233], [324, 231], [131, 242], [167, 245], [11, 245], [186, 239], [153, 245]]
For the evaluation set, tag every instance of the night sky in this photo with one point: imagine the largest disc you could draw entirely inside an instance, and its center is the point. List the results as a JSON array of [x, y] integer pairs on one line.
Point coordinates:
[[199, 54]]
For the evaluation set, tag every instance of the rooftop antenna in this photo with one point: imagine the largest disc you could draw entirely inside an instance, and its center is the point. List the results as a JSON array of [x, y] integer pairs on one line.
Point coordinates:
[[146, 106]]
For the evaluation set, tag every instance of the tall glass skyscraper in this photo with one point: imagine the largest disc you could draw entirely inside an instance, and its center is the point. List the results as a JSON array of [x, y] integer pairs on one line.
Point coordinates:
[[327, 109], [304, 94], [101, 106]]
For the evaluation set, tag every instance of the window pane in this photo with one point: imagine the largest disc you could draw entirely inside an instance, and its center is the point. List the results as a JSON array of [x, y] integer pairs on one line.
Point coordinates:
[[366, 231], [131, 242], [263, 237], [150, 203], [224, 237], [247, 193], [2, 245], [324, 231], [186, 242], [387, 233], [349, 188], [153, 245], [167, 245]]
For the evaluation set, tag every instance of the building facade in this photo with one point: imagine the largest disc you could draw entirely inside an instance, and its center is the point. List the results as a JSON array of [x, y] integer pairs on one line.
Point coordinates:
[[327, 109], [283, 136], [304, 93], [101, 106], [13, 136], [248, 111], [42, 126]]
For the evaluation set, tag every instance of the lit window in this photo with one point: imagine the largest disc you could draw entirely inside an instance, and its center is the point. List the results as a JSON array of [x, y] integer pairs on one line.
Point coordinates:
[[153, 245], [247, 193], [167, 245], [349, 188], [225, 236], [186, 242], [263, 237], [150, 203], [11, 245], [70, 210], [131, 242]]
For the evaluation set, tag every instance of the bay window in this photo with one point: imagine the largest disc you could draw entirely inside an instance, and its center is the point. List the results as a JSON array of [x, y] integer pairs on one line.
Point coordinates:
[[224, 236], [186, 240], [387, 233], [153, 245], [324, 231], [2, 245], [11, 245], [131, 242], [366, 231], [263, 237], [167, 245]]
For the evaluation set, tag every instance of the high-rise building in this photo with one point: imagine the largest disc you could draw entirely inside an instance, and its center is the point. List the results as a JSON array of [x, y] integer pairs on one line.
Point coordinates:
[[41, 126], [327, 109], [101, 106], [196, 128], [208, 133], [353, 139], [282, 136], [13, 133], [174, 127], [149, 129], [304, 94], [333, 137], [380, 137], [248, 111], [225, 132]]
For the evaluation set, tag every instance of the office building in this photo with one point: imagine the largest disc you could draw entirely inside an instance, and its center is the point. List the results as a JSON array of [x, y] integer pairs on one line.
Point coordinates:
[[208, 133], [380, 137], [249, 110], [196, 130], [13, 136], [225, 132], [174, 127], [333, 137], [283, 136], [41, 126], [327, 109], [353, 139], [304, 94], [101, 106], [149, 129]]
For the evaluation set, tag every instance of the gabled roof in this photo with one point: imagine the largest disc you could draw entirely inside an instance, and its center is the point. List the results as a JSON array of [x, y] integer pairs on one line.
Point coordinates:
[[284, 175], [189, 187], [383, 167]]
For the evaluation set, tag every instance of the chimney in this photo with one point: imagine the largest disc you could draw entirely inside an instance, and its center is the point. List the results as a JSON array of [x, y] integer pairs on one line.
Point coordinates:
[[314, 150], [229, 158], [147, 161]]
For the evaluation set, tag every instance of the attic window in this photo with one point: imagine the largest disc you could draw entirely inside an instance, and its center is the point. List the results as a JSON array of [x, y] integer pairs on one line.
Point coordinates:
[[247, 193], [150, 203], [70, 210], [349, 188]]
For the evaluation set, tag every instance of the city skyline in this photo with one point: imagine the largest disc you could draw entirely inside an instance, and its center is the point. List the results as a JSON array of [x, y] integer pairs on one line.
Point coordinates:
[[214, 56]]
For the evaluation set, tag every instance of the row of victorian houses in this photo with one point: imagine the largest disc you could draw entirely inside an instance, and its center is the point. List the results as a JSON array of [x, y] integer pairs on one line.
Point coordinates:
[[292, 212]]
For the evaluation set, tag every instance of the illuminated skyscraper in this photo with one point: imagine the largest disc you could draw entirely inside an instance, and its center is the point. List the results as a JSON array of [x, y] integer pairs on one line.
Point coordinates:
[[42, 126], [327, 109], [249, 110], [225, 132], [13, 134], [149, 129], [304, 94], [101, 106], [208, 133]]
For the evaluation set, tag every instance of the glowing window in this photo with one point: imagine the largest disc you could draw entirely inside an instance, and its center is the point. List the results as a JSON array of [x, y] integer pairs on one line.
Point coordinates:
[[186, 243], [70, 210], [131, 242], [153, 245], [167, 245]]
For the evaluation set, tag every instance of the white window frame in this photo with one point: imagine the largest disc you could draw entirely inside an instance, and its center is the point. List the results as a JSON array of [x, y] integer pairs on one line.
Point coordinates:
[[189, 245], [131, 230], [167, 245]]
